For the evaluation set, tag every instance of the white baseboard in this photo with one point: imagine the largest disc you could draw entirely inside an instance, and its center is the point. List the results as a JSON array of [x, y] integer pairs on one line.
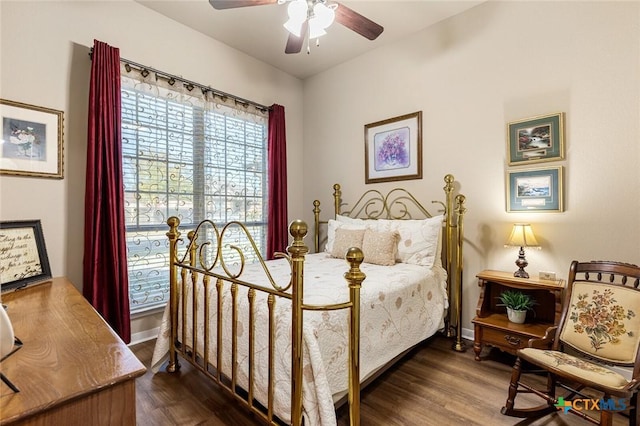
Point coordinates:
[[144, 336], [147, 335], [467, 334]]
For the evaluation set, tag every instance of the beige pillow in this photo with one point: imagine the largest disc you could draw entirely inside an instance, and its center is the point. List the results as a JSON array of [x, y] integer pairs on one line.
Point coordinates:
[[379, 247], [345, 239], [331, 232]]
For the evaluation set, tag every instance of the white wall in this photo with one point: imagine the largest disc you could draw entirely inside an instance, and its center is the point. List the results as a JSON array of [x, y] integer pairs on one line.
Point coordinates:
[[44, 61], [472, 74]]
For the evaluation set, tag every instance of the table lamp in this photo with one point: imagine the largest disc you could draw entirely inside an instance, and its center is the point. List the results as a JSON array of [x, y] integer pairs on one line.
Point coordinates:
[[522, 236]]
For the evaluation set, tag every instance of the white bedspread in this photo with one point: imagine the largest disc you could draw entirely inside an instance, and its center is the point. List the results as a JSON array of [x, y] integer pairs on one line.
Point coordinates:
[[401, 305]]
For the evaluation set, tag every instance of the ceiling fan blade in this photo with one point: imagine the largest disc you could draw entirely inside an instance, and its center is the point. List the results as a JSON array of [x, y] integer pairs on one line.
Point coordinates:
[[356, 22], [231, 4], [294, 43]]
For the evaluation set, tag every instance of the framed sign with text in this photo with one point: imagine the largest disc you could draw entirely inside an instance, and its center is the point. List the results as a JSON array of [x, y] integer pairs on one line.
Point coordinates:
[[23, 254]]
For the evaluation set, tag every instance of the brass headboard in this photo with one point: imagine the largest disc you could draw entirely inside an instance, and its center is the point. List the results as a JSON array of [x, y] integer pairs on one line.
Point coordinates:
[[400, 204]]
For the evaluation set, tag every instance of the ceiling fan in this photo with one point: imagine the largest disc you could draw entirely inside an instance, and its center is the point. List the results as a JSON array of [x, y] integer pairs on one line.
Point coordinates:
[[310, 18]]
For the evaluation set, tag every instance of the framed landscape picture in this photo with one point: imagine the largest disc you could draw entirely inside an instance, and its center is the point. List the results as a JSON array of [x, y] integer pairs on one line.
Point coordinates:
[[536, 139], [393, 149], [32, 138], [535, 190]]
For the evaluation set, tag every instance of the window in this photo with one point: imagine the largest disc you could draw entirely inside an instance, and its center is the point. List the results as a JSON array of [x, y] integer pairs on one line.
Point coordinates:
[[185, 156]]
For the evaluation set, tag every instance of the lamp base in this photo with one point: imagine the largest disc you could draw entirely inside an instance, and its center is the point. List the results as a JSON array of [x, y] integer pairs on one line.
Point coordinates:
[[521, 263]]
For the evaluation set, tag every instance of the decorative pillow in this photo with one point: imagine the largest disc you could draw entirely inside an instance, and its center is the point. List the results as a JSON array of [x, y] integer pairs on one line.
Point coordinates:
[[418, 243], [379, 247], [345, 239], [332, 225]]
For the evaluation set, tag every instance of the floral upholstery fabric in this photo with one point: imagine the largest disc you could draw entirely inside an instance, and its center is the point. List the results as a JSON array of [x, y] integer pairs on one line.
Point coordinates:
[[577, 367], [604, 321]]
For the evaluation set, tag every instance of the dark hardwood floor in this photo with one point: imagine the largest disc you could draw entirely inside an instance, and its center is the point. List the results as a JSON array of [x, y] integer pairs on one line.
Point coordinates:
[[433, 385]]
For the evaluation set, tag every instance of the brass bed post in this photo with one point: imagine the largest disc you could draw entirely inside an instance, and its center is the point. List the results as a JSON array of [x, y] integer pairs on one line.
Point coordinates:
[[448, 190], [173, 236], [355, 277], [337, 198], [297, 250], [459, 344], [316, 226]]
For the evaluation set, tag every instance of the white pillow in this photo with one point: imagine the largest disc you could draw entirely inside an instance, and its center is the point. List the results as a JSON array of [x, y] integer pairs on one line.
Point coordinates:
[[418, 243], [350, 220]]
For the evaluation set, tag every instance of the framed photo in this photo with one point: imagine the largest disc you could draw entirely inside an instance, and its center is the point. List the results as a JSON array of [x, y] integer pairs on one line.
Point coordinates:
[[32, 140], [23, 254], [535, 190], [393, 149], [536, 139]]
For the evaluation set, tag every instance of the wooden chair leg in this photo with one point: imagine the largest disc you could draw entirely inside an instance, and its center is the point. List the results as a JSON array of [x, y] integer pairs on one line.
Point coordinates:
[[538, 411], [634, 413], [606, 418], [513, 388]]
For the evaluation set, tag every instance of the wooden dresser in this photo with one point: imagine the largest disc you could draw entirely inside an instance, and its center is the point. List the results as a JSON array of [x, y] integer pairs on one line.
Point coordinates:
[[73, 369]]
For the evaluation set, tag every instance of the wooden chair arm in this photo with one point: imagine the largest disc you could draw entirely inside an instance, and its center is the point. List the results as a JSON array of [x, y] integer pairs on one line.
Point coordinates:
[[546, 341], [632, 386]]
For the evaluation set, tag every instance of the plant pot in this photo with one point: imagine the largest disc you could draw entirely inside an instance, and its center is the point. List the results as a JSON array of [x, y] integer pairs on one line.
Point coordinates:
[[517, 317]]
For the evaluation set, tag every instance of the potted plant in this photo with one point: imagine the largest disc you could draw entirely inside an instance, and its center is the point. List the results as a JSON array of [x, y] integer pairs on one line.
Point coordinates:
[[517, 304]]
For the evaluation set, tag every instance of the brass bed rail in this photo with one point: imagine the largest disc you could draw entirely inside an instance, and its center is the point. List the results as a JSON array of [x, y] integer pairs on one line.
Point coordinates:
[[184, 275]]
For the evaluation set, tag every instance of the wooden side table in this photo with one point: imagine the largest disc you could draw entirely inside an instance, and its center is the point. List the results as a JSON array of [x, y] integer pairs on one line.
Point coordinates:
[[491, 326], [72, 369]]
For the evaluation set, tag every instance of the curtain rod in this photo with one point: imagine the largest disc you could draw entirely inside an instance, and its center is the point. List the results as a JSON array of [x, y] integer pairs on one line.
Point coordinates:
[[190, 85]]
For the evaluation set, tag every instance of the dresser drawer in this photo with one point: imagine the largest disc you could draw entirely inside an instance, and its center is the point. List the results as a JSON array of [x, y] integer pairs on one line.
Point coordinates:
[[504, 339]]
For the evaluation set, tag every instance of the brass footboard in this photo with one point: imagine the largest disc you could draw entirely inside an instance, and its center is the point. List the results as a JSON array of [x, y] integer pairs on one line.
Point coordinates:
[[203, 262]]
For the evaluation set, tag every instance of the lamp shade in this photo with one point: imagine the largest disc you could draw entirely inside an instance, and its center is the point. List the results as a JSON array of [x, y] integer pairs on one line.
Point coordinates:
[[522, 236]]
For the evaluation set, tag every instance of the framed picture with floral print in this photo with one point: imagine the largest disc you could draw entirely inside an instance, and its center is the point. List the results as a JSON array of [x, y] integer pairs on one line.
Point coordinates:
[[393, 149], [32, 140]]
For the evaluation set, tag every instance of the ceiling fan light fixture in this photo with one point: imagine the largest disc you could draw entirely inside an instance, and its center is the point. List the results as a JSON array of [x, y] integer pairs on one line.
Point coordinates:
[[324, 14], [315, 29], [297, 10], [294, 27]]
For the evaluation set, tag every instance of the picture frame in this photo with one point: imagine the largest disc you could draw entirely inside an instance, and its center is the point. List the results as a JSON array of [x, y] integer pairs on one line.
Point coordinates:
[[33, 140], [393, 149], [535, 190], [536, 139], [23, 254]]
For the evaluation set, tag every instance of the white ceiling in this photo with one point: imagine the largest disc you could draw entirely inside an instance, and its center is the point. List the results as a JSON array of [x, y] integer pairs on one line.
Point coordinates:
[[258, 31]]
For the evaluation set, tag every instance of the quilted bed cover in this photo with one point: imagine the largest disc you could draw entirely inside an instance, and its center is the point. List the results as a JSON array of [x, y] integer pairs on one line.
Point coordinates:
[[401, 305]]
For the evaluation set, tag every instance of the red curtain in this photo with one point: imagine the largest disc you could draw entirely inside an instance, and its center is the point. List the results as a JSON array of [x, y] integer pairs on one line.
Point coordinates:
[[105, 278], [277, 227]]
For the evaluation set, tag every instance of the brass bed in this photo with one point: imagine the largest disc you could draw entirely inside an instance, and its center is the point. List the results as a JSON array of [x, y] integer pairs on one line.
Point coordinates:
[[228, 295]]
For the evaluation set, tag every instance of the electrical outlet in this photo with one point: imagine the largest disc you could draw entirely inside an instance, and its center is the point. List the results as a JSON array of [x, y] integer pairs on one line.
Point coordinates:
[[547, 276]]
